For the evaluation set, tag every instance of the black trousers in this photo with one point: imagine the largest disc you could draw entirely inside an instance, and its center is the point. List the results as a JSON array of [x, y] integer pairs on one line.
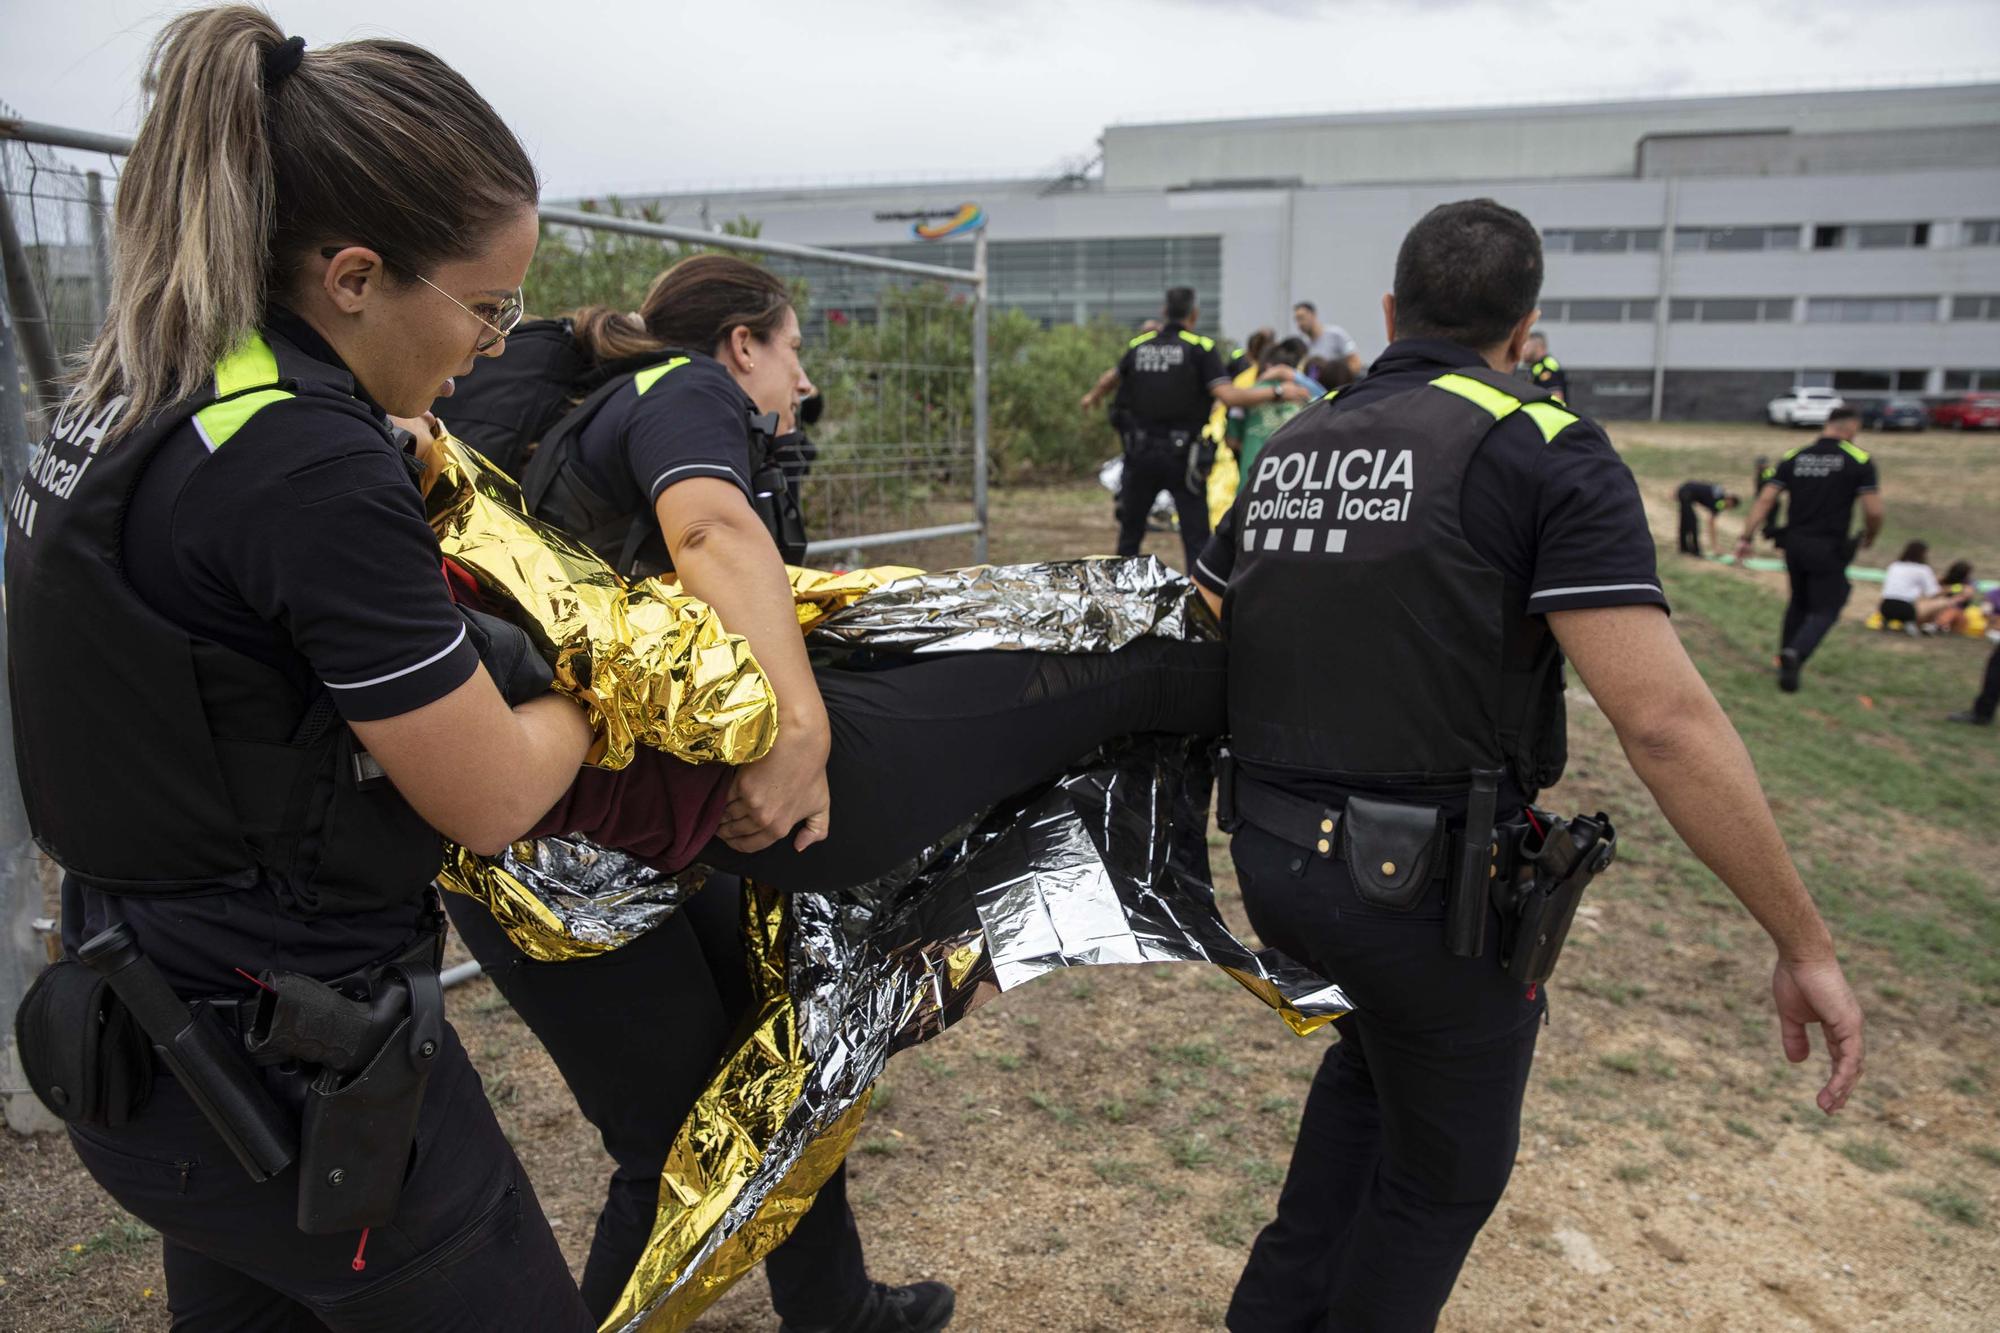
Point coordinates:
[[1690, 518], [920, 746], [1151, 467], [637, 1033], [1410, 1129], [1817, 568], [1989, 693], [469, 1250]]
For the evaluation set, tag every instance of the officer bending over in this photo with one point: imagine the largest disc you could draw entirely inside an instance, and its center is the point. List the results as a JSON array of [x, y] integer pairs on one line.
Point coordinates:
[[1823, 480], [1168, 381], [1400, 580], [1707, 495]]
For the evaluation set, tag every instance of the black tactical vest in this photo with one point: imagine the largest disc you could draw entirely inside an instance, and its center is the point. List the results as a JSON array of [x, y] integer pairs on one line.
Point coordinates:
[[1369, 643], [152, 761], [557, 491]]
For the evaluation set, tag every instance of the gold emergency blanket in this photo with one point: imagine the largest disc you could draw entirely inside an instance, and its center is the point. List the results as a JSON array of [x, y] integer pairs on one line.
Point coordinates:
[[654, 666], [1109, 864]]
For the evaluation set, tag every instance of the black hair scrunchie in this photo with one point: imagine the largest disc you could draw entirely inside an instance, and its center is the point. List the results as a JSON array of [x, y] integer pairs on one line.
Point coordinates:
[[281, 60]]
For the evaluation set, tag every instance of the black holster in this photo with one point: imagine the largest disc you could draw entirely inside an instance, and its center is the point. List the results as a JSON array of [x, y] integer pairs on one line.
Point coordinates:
[[1536, 912], [375, 1040]]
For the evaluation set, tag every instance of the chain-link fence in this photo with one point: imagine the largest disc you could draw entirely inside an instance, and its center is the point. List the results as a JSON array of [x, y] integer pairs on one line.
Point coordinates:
[[897, 348], [898, 352]]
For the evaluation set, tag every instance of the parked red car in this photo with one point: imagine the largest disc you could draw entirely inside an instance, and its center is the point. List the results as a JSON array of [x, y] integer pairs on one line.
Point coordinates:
[[1972, 411]]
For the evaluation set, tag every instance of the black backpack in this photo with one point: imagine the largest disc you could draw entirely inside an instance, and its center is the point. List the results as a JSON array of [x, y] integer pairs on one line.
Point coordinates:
[[510, 401]]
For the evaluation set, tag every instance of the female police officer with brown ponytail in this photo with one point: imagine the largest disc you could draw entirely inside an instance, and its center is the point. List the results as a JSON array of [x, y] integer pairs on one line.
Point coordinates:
[[246, 709]]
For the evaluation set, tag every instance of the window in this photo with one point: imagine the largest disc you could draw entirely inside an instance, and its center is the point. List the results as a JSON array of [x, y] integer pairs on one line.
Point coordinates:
[[1871, 309], [1601, 240], [1893, 236], [1605, 310], [1984, 231], [1055, 282], [1964, 381], [1872, 236], [1730, 310], [1975, 307], [1736, 239]]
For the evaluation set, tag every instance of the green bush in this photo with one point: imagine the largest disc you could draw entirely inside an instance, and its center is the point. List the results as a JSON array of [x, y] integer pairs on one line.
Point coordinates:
[[900, 378]]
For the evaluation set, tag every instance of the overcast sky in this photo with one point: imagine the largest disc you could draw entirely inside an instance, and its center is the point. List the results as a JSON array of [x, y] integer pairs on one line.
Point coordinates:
[[649, 93]]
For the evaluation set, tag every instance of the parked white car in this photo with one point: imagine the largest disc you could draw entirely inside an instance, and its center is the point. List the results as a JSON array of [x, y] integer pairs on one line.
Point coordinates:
[[1803, 406]]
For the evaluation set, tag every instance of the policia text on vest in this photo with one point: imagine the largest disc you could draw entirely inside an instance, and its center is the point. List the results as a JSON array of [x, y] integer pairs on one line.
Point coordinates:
[[1167, 383], [1402, 577]]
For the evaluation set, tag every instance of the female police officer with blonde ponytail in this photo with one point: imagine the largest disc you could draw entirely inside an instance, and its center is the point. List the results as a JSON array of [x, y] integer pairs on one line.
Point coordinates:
[[246, 709]]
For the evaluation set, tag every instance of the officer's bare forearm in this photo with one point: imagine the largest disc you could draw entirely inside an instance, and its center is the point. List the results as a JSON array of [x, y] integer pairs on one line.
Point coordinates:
[[477, 771], [1871, 517], [729, 562], [1105, 384], [1767, 499], [1684, 749]]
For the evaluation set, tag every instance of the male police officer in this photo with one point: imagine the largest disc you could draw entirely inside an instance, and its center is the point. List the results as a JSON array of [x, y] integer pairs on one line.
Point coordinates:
[[1544, 371], [1167, 382], [1400, 580], [1823, 480]]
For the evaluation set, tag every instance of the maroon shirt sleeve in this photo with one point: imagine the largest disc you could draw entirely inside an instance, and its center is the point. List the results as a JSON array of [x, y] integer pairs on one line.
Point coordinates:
[[658, 808]]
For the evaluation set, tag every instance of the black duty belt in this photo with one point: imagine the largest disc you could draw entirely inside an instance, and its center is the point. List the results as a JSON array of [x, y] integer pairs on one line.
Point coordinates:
[[1316, 828], [238, 1012]]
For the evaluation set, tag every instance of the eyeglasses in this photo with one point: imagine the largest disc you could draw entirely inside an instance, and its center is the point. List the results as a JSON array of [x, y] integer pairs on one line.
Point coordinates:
[[500, 316]]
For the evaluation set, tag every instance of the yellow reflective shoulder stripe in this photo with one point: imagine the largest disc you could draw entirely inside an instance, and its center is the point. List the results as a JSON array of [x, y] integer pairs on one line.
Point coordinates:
[[1858, 455], [217, 422], [650, 376], [1144, 337], [1551, 363], [1206, 344], [250, 364], [1472, 390], [1553, 419], [1791, 453]]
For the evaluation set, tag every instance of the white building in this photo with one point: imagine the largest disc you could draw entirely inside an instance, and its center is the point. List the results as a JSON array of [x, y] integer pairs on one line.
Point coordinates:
[[1711, 251]]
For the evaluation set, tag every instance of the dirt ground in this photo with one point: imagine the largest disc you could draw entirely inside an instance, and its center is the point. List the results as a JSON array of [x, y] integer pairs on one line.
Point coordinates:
[[1096, 1151]]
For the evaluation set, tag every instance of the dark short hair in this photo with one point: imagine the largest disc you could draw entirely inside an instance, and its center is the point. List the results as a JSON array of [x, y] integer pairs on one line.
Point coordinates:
[[1305, 305], [1468, 272], [1842, 414], [1180, 302], [1539, 334]]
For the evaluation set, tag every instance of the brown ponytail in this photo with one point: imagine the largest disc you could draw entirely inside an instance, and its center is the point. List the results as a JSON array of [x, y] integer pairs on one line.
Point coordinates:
[[693, 305], [237, 175]]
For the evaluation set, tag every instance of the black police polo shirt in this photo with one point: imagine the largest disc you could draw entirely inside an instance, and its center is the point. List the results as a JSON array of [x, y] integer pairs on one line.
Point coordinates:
[[1165, 379], [693, 421], [301, 543], [1822, 482], [1562, 517]]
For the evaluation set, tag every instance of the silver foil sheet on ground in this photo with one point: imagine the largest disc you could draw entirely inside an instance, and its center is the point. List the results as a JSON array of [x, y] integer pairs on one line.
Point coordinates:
[[1107, 865]]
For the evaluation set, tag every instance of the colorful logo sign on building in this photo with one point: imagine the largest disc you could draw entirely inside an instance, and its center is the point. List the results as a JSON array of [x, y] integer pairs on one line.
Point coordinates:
[[968, 218]]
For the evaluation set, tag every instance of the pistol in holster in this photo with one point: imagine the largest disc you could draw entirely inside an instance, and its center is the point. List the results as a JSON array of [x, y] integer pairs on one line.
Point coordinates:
[[374, 1039], [1536, 911]]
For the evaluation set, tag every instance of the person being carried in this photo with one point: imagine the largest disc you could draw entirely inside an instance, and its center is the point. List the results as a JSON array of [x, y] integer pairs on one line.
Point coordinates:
[[1709, 495]]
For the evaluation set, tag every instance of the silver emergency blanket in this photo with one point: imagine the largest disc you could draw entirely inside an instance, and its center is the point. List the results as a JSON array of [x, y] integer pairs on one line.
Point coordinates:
[[1107, 865], [1058, 606]]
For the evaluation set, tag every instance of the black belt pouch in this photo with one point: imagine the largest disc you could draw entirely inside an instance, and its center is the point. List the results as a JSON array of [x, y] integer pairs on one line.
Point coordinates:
[[81, 1050], [1390, 850]]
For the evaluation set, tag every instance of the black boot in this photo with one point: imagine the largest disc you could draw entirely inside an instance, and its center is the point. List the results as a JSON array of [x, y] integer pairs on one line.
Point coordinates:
[[920, 1307], [1788, 671]]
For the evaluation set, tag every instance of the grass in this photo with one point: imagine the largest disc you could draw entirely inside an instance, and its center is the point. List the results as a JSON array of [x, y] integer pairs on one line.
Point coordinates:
[[1870, 1155], [1944, 1202]]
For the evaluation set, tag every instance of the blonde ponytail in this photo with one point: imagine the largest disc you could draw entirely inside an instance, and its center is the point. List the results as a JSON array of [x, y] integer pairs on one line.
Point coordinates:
[[194, 214], [238, 175]]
